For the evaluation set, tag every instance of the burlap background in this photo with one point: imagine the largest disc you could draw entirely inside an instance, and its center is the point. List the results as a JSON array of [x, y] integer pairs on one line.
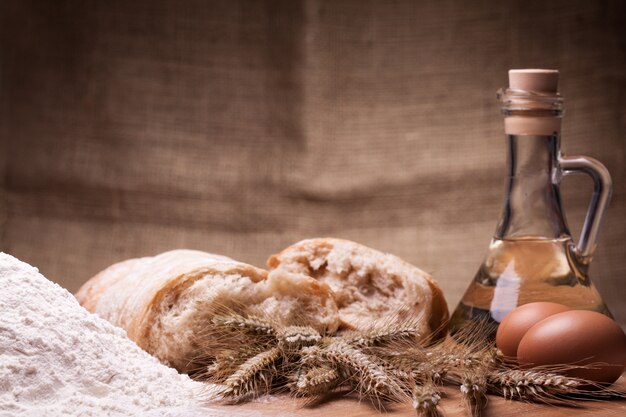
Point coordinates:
[[238, 127]]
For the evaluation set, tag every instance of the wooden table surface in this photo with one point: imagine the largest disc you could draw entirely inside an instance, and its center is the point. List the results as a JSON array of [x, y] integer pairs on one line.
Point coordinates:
[[450, 405]]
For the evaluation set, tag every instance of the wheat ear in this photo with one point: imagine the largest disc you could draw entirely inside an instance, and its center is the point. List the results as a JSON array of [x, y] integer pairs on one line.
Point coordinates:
[[367, 377], [226, 363], [316, 382], [474, 393], [425, 398], [382, 335], [461, 356], [393, 333], [254, 376], [413, 363], [252, 325], [532, 385], [296, 337]]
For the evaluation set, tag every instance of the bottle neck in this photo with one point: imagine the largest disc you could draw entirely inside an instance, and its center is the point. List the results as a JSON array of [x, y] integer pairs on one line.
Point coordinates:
[[532, 203]]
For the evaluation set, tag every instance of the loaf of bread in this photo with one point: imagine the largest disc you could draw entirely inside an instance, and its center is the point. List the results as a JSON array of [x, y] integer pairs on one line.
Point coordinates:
[[368, 285], [164, 302]]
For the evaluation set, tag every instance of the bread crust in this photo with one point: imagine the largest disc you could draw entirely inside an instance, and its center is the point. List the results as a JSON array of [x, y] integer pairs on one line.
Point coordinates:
[[338, 261]]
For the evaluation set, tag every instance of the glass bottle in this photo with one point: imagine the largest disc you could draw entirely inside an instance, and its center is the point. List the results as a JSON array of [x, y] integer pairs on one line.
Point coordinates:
[[532, 256]]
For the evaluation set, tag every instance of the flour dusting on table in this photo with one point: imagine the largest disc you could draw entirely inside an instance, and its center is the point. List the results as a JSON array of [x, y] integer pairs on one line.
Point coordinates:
[[57, 359]]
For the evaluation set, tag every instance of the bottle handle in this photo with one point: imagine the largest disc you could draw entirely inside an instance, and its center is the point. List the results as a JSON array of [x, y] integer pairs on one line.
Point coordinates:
[[602, 189]]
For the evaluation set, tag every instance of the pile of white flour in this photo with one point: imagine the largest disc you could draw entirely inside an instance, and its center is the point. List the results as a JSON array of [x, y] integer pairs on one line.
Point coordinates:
[[57, 359]]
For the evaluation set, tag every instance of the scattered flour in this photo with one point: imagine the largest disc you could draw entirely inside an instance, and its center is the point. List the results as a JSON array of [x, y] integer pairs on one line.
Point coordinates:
[[57, 359]]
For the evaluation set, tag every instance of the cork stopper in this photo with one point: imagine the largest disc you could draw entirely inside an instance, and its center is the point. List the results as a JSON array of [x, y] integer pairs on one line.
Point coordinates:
[[538, 80], [536, 90]]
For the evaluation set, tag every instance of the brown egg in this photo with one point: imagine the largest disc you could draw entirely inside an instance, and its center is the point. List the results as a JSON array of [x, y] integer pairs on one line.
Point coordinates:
[[515, 324], [577, 337]]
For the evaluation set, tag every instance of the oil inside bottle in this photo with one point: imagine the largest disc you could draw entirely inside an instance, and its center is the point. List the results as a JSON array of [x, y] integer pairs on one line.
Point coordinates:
[[523, 270]]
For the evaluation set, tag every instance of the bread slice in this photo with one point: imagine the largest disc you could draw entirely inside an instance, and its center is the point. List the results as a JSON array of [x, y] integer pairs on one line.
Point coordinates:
[[164, 302], [369, 286]]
